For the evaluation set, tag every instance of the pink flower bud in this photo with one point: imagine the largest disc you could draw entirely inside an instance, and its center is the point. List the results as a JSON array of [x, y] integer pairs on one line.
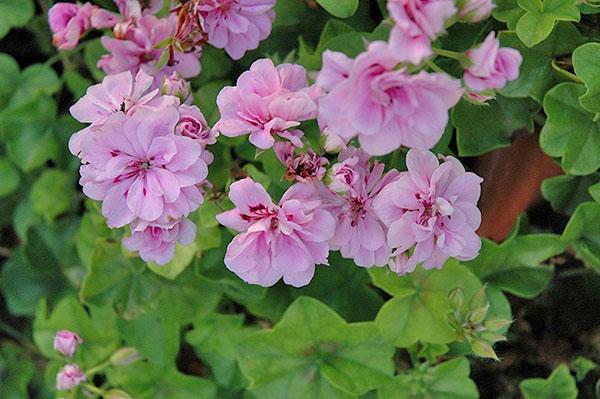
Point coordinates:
[[305, 167], [475, 10], [68, 23], [176, 86], [69, 377], [66, 342]]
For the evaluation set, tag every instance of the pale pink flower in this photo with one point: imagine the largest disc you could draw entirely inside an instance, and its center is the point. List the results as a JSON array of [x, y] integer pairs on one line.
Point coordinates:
[[156, 243], [493, 66], [236, 25], [140, 169], [388, 108], [192, 124], [68, 23], [66, 342], [417, 24], [337, 67], [267, 101], [175, 85], [432, 208], [359, 234], [69, 377], [305, 167], [136, 48], [123, 92], [475, 10], [275, 241]]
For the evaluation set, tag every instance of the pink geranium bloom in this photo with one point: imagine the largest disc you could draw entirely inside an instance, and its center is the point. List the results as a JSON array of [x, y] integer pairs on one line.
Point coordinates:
[[69, 22], [66, 342], [175, 85], [387, 107], [267, 101], [432, 208], [156, 243], [122, 92], [305, 168], [275, 241], [359, 233], [236, 25], [492, 66], [69, 377], [192, 124], [136, 48], [417, 23], [140, 169]]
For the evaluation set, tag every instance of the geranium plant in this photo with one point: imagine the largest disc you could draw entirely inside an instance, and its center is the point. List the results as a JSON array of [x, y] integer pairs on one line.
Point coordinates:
[[296, 198]]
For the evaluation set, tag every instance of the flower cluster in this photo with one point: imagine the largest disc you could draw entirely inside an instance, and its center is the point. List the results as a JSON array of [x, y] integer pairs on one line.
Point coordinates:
[[70, 376]]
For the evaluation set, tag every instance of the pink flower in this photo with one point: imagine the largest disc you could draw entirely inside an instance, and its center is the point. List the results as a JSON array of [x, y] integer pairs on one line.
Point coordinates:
[[432, 208], [175, 85], [492, 65], [275, 241], [306, 167], [68, 23], [192, 124], [140, 169], [337, 67], [69, 377], [475, 10], [386, 107], [359, 233], [236, 25], [418, 23], [135, 48], [267, 101], [121, 92], [66, 342], [156, 243]]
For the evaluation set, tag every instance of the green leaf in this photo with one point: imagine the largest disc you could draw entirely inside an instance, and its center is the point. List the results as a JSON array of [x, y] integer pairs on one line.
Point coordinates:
[[313, 353], [508, 11], [586, 61], [583, 232], [92, 52], [76, 83], [340, 8], [289, 12], [540, 17], [215, 339], [595, 192], [184, 254], [27, 132], [560, 385], [514, 265], [448, 380], [9, 70], [480, 129], [419, 307], [33, 272], [570, 131], [52, 194], [582, 366], [95, 325], [536, 75], [35, 80], [566, 192], [122, 282], [14, 13], [16, 371], [9, 176], [206, 99]]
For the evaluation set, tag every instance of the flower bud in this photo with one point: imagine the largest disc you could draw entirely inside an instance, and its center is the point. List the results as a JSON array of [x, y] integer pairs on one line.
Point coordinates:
[[475, 10], [69, 377], [124, 356], [478, 315], [477, 300], [495, 324], [66, 342], [116, 394], [483, 349], [456, 298], [176, 86]]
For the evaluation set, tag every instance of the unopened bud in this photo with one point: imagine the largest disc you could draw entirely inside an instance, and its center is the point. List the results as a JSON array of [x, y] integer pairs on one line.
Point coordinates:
[[456, 298], [116, 394], [483, 349], [478, 315], [176, 86], [495, 324], [477, 300], [124, 356]]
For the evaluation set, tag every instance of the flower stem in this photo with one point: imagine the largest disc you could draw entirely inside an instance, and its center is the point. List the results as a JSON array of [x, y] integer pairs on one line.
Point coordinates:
[[94, 389], [565, 73], [465, 62], [98, 368]]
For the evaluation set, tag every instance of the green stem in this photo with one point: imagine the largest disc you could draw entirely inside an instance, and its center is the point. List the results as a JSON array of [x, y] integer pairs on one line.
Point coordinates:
[[98, 368], [20, 337], [460, 57], [565, 73], [434, 67], [94, 389]]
